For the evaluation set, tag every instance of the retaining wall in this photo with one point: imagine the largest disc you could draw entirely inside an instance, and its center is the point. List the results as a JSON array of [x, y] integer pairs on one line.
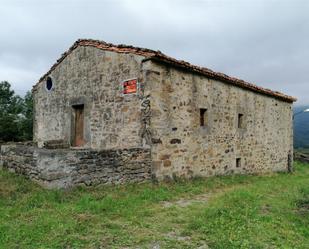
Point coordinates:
[[60, 168]]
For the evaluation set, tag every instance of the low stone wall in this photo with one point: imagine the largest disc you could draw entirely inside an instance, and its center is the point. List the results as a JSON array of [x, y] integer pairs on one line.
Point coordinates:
[[302, 157], [60, 168]]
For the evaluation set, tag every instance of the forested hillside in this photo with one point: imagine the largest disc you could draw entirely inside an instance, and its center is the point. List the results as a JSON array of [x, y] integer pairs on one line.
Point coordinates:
[[301, 128]]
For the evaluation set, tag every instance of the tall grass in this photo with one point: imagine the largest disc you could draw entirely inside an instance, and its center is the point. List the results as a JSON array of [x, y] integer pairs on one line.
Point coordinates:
[[269, 211]]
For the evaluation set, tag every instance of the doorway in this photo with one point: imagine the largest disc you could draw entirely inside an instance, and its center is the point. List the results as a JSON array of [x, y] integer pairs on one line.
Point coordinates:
[[78, 126]]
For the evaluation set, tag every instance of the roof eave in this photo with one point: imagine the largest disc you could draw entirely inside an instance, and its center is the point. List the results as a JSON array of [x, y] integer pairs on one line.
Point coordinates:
[[221, 77], [160, 57]]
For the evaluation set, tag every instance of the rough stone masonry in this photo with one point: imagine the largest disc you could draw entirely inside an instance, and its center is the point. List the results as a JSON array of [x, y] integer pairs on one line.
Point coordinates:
[[109, 113]]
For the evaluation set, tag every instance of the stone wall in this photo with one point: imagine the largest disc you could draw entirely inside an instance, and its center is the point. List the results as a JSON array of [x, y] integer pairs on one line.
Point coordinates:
[[163, 118], [19, 158], [91, 77], [183, 148], [59, 168]]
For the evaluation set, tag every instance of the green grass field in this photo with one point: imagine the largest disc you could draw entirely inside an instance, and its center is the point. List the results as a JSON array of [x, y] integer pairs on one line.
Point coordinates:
[[270, 211]]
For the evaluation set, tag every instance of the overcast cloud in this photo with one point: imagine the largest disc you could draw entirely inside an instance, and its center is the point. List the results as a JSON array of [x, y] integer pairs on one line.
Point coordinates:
[[262, 41]]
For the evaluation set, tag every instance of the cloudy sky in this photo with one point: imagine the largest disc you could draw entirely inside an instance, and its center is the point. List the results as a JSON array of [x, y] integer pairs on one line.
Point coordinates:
[[262, 41]]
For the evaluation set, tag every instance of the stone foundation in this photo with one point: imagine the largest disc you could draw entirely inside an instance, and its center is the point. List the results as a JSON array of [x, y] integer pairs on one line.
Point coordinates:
[[61, 168]]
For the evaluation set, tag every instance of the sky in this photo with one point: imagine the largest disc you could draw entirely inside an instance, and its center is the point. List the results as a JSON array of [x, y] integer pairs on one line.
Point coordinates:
[[265, 42]]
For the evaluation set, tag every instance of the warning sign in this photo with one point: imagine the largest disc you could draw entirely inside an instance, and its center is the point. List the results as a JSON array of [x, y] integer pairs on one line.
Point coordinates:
[[129, 86]]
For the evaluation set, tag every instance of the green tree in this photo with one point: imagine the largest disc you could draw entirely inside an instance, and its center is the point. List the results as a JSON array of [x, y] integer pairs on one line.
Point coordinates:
[[26, 121], [15, 114]]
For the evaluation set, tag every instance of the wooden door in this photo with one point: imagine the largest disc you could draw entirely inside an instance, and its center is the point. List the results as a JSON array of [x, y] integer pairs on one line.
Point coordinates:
[[79, 126]]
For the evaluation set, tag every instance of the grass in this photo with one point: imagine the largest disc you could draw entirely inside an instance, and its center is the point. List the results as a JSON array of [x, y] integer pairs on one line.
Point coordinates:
[[270, 211]]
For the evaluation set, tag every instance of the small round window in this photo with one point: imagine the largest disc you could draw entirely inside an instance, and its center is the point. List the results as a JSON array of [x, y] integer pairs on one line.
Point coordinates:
[[49, 83]]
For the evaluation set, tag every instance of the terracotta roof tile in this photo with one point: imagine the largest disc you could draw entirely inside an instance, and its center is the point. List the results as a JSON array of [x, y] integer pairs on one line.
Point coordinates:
[[162, 58]]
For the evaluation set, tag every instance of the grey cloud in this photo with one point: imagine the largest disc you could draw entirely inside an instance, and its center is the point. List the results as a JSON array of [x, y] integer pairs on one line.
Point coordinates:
[[259, 41]]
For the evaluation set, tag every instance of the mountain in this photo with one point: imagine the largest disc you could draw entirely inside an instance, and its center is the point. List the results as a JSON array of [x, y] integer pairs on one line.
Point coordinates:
[[301, 127]]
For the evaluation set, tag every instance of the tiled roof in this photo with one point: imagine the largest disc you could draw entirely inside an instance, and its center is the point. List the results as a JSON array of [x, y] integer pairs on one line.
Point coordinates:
[[160, 57]]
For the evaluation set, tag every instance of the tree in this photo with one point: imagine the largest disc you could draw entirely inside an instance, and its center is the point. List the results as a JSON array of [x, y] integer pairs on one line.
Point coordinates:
[[26, 122], [15, 114]]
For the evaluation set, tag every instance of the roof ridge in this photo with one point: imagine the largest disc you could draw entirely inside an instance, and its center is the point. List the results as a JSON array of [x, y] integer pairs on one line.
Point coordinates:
[[150, 54], [99, 42]]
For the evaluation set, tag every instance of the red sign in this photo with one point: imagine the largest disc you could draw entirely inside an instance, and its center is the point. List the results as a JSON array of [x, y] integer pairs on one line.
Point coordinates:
[[129, 86]]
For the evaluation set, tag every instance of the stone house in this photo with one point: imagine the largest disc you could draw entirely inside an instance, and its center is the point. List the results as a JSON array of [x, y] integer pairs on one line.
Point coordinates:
[[109, 113]]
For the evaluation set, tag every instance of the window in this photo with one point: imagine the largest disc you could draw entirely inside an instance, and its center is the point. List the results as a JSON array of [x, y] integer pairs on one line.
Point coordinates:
[[240, 121], [49, 83], [238, 162], [203, 117]]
